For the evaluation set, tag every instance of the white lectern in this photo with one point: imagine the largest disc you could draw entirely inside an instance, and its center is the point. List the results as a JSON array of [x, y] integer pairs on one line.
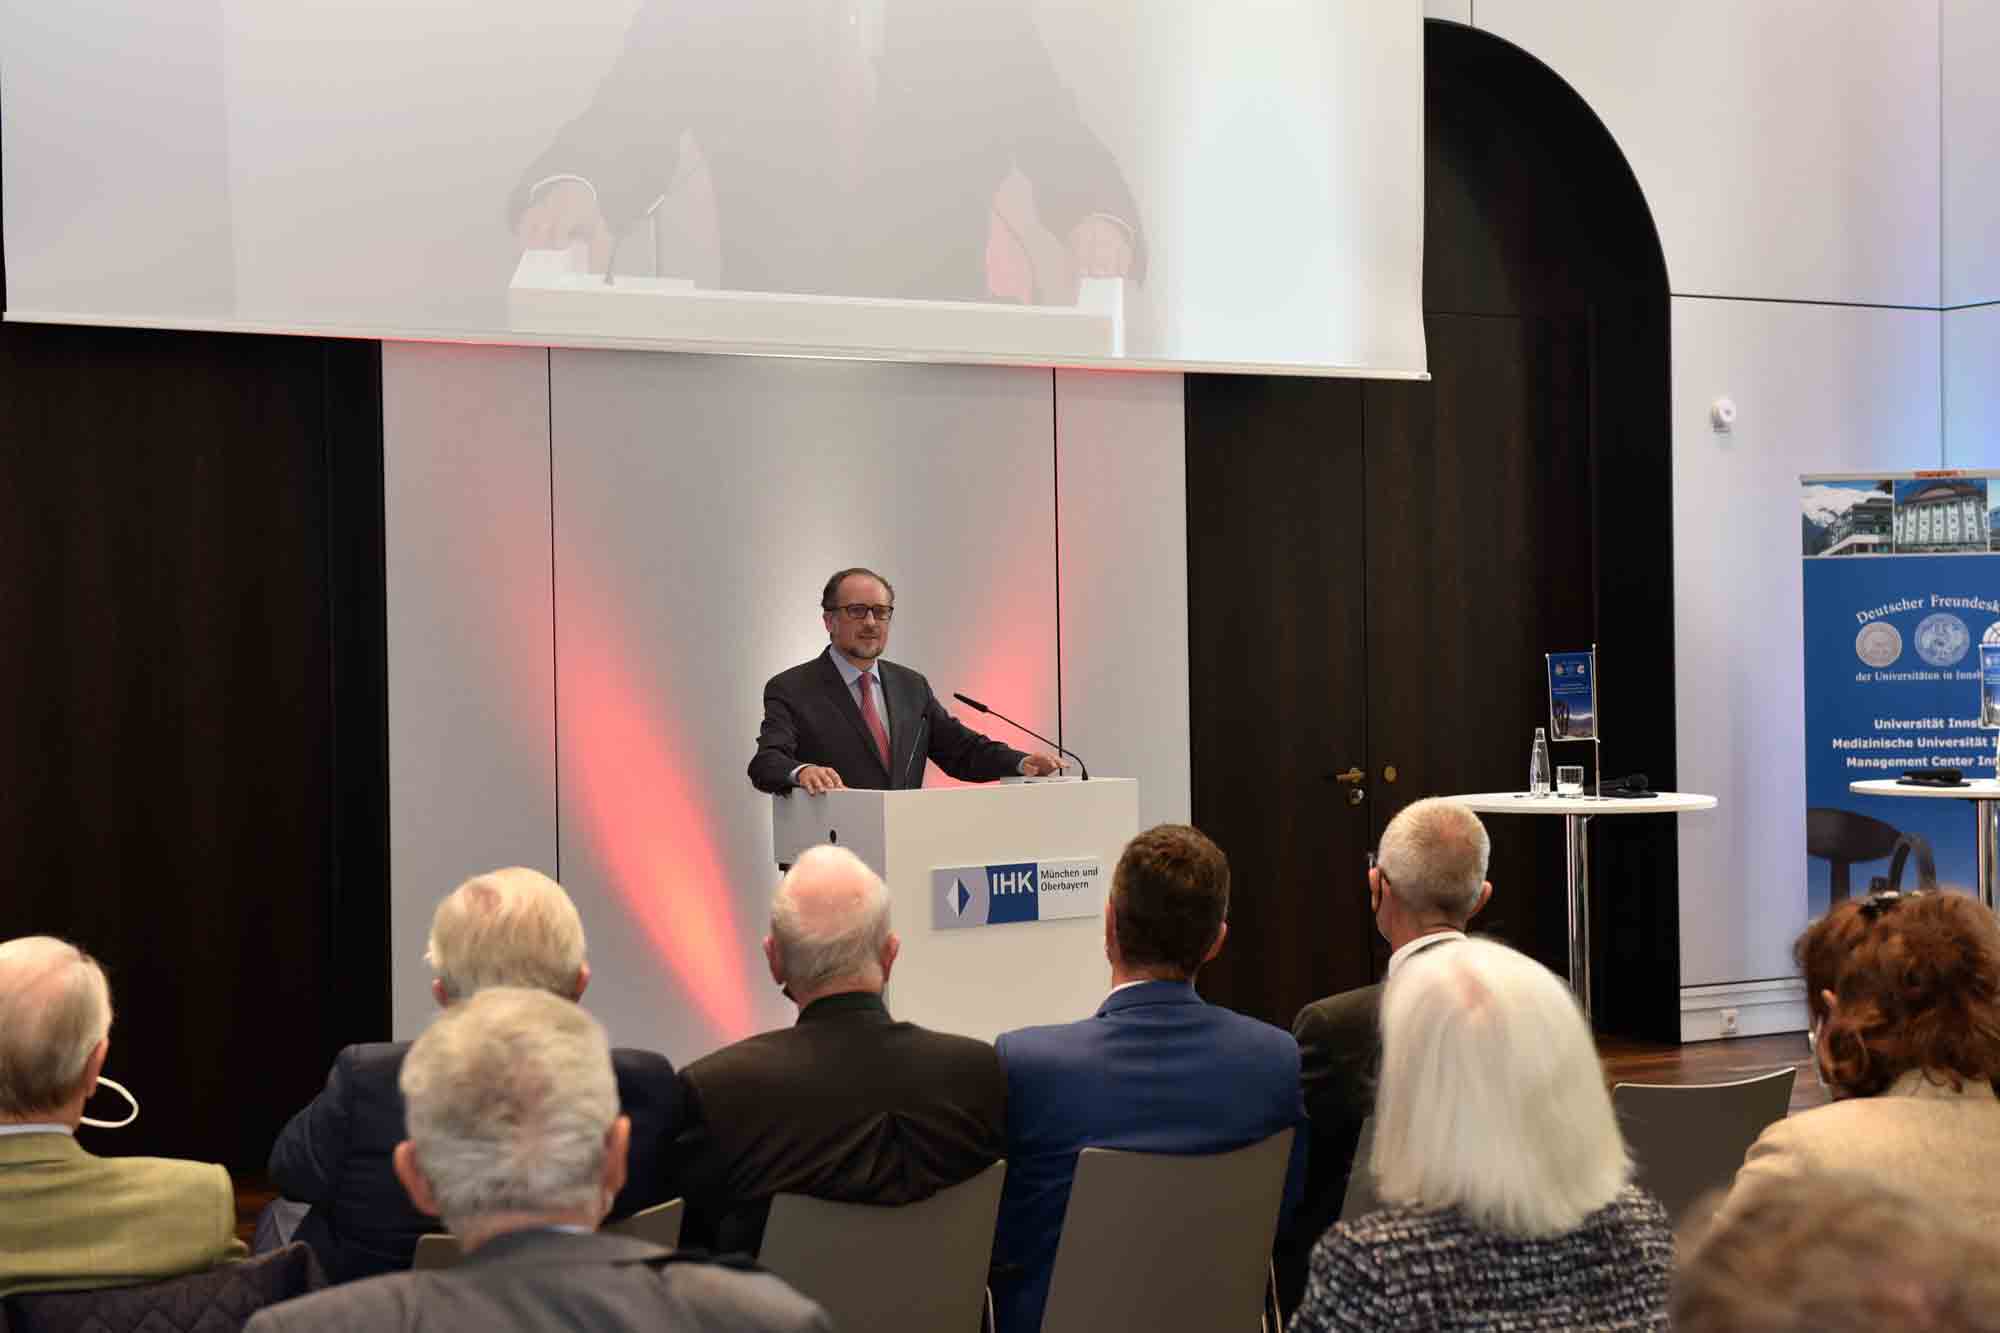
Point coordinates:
[[997, 891]]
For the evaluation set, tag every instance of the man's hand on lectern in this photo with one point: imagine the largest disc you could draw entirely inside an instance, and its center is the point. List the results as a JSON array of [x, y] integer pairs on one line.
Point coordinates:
[[564, 212], [817, 778], [1040, 765]]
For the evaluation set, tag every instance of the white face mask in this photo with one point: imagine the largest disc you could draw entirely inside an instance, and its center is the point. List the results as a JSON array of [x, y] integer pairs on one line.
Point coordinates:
[[120, 1089]]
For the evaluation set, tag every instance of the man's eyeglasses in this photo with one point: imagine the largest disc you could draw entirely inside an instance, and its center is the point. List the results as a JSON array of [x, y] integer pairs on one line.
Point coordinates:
[[861, 611]]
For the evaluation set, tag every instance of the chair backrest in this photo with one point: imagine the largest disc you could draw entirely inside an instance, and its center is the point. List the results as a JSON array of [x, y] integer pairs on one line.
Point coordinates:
[[919, 1267], [1165, 1242], [1687, 1139], [660, 1224], [1361, 1199], [218, 1300]]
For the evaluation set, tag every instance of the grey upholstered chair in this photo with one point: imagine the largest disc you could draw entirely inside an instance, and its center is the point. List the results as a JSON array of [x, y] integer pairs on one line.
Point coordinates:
[[1361, 1199], [660, 1224], [1166, 1242], [920, 1267], [215, 1301], [1688, 1139]]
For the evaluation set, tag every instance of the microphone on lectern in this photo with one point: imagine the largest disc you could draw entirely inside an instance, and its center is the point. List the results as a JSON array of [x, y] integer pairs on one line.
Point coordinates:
[[973, 703]]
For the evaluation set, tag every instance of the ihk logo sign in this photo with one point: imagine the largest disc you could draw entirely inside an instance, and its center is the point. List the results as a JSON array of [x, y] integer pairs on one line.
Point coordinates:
[[1013, 891]]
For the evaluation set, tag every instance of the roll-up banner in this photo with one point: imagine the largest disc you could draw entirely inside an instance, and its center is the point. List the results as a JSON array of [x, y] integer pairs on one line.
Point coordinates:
[[1902, 587]]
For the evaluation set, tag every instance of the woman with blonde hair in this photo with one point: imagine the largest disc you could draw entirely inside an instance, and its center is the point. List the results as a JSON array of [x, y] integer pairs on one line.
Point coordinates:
[[1510, 1202]]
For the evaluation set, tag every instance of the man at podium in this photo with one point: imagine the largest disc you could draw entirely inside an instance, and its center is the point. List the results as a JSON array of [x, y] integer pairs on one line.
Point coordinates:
[[849, 719]]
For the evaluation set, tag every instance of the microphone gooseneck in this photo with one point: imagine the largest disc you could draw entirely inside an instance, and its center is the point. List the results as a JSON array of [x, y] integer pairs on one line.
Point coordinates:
[[977, 706]]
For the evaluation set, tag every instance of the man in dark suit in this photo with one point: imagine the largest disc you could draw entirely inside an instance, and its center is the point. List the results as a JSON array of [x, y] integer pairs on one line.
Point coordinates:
[[839, 146], [848, 1104], [1156, 1070], [1426, 883], [517, 1143], [849, 719], [512, 927]]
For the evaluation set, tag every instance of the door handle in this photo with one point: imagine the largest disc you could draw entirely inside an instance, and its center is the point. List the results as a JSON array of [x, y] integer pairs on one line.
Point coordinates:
[[1352, 775]]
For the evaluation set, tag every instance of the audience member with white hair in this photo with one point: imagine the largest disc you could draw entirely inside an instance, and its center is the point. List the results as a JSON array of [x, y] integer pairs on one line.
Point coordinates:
[[70, 1220], [513, 927], [848, 1104], [1425, 884], [1510, 1202], [516, 1141]]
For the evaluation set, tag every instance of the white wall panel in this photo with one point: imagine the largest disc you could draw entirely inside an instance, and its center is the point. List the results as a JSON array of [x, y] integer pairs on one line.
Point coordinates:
[[700, 504], [1818, 389], [1971, 121], [471, 679], [1454, 11], [1122, 474], [1788, 148], [1972, 387]]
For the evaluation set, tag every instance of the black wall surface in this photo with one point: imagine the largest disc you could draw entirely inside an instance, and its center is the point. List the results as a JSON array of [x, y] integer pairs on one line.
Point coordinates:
[[195, 683]]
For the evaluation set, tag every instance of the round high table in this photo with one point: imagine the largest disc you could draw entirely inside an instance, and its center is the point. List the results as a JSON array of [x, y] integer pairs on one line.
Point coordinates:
[[1984, 793], [1577, 812]]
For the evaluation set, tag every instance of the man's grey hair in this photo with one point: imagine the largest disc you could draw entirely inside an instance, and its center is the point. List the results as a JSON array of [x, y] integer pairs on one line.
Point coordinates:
[[512, 927], [55, 1007], [1434, 855], [509, 1098], [830, 920], [1491, 1097]]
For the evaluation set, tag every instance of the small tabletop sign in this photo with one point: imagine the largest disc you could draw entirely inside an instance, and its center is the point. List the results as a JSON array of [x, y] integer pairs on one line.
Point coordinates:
[[1573, 696], [1989, 685]]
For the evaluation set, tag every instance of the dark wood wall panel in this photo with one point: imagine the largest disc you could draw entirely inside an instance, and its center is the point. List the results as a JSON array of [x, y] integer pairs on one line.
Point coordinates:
[[195, 678]]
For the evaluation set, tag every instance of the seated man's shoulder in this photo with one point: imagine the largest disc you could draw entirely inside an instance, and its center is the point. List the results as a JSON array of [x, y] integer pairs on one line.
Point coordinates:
[[1341, 1010], [736, 1296], [637, 1065], [942, 1045]]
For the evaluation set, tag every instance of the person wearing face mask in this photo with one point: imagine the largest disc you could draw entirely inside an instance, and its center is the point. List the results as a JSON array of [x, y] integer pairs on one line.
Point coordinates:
[[69, 1220], [516, 1141], [1904, 996]]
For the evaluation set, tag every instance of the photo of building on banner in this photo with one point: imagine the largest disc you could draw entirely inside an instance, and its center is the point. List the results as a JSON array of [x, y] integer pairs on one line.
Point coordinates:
[[1897, 673]]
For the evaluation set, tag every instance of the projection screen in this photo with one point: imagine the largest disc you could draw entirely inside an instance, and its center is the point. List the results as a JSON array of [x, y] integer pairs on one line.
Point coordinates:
[[1070, 182]]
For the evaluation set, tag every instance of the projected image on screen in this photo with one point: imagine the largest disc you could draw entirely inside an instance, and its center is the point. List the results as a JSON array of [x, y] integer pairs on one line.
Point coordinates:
[[1089, 182]]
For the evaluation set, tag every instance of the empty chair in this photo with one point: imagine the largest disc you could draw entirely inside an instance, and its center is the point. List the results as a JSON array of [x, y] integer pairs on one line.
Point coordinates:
[[1361, 1199], [1166, 1242], [1844, 838], [660, 1224], [919, 1267], [1689, 1138], [216, 1301]]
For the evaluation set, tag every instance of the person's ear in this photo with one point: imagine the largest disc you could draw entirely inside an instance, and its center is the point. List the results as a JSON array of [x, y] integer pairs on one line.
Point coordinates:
[[1374, 890], [1221, 934], [774, 960], [1110, 933], [617, 1148], [439, 993], [891, 949], [582, 981], [1479, 903], [95, 1066], [415, 1183], [1830, 1001]]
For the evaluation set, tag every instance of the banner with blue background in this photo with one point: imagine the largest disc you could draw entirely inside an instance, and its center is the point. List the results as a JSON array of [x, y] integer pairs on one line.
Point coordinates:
[[1902, 584]]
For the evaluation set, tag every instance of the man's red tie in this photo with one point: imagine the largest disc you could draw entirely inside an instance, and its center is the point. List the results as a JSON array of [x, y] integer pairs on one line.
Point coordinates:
[[873, 717]]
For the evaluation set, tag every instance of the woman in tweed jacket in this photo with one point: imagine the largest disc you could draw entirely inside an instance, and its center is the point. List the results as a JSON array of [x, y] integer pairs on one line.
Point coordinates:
[[1510, 1202]]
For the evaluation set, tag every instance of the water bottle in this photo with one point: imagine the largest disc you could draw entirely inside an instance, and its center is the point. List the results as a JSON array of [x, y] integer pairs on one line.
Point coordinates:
[[1538, 765]]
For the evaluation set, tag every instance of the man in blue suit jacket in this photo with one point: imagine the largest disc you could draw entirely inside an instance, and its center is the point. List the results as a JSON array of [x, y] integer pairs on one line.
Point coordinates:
[[1155, 1070]]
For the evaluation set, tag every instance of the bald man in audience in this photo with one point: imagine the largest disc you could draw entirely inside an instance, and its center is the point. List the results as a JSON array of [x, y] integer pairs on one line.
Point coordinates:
[[1427, 882], [513, 927], [848, 1104], [517, 1144], [70, 1220]]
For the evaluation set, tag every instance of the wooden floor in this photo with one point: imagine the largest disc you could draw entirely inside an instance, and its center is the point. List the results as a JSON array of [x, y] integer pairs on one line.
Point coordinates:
[[1628, 1061]]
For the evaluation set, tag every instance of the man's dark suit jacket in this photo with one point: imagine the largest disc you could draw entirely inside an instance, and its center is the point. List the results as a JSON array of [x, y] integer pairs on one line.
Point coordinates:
[[848, 1105], [546, 1279], [966, 92], [1340, 1054], [1157, 1070], [810, 717], [335, 1155]]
